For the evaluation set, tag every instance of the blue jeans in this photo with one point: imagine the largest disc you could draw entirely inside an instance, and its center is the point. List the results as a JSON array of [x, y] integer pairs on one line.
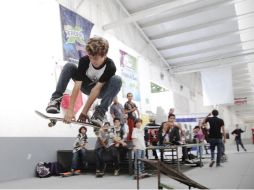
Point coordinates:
[[139, 154], [239, 142], [213, 143], [200, 151], [79, 155], [109, 90], [100, 163]]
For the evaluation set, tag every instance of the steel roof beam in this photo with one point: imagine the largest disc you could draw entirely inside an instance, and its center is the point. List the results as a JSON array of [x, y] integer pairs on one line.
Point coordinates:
[[192, 69], [187, 13], [210, 49], [205, 39], [170, 5], [200, 26], [210, 59], [144, 36]]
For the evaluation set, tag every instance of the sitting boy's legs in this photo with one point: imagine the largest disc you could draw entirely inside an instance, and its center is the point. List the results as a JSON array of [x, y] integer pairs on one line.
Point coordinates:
[[75, 163], [100, 164], [115, 155]]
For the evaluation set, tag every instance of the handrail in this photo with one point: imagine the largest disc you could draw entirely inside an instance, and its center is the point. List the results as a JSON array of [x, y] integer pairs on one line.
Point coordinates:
[[170, 172]]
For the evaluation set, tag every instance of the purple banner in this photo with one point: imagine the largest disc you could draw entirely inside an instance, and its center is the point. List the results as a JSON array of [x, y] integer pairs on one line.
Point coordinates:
[[76, 31]]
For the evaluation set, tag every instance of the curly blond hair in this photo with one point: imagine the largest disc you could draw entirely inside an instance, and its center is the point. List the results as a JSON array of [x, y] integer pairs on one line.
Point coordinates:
[[97, 46]]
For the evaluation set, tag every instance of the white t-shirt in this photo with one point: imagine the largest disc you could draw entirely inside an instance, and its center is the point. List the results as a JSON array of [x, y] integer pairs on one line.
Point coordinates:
[[94, 74], [138, 139]]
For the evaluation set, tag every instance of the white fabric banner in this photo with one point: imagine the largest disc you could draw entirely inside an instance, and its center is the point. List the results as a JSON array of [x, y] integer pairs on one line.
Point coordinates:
[[217, 86]]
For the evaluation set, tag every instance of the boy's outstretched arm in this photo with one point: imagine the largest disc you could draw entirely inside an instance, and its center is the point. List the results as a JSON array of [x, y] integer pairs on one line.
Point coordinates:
[[70, 115]]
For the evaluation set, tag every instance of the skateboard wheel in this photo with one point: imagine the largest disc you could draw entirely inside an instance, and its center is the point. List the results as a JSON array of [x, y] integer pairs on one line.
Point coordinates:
[[50, 124]]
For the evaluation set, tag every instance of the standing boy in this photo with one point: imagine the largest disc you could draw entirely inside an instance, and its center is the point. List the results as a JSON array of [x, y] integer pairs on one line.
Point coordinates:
[[237, 132], [117, 111], [139, 147], [130, 109], [216, 132]]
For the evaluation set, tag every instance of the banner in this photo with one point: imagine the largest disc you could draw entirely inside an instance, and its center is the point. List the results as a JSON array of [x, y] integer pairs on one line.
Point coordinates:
[[129, 74], [76, 31], [217, 86]]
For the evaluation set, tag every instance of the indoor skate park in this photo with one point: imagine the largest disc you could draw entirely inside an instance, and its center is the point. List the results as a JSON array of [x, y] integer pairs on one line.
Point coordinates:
[[169, 103]]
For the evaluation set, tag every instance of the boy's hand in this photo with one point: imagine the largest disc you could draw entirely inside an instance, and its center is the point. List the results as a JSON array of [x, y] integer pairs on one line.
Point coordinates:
[[83, 118], [69, 116]]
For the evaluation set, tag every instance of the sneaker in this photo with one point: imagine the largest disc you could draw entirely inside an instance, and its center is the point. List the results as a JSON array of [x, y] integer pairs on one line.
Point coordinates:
[[98, 117], [187, 161], [54, 106], [76, 172], [143, 173], [99, 173], [135, 176], [211, 164], [66, 174], [218, 165], [116, 172]]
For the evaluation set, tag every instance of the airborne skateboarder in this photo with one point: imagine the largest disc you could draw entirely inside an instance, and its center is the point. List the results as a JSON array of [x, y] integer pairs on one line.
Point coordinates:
[[94, 76]]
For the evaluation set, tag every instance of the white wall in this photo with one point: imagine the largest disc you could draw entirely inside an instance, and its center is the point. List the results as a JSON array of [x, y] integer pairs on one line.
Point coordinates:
[[30, 44], [28, 73]]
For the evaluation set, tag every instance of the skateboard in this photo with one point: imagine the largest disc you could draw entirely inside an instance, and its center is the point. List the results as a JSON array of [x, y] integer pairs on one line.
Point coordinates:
[[53, 121], [68, 174]]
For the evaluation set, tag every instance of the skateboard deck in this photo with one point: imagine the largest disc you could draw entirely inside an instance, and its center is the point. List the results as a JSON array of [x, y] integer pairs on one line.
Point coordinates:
[[53, 121]]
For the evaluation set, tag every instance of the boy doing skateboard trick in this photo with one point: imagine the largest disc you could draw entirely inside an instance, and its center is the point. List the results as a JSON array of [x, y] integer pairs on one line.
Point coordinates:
[[94, 76]]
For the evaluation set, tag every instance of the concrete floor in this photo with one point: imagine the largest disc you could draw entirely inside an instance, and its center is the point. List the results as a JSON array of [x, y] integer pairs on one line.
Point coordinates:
[[237, 173]]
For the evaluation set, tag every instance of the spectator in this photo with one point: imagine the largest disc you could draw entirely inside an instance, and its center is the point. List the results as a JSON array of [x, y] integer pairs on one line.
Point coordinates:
[[130, 109], [215, 135], [117, 111], [237, 132]]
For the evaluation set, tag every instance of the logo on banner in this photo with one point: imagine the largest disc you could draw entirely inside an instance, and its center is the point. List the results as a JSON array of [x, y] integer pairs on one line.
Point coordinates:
[[74, 34]]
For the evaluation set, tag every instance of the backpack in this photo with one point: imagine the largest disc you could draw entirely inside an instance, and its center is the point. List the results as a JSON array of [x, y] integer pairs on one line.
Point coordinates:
[[43, 169], [47, 169], [55, 169]]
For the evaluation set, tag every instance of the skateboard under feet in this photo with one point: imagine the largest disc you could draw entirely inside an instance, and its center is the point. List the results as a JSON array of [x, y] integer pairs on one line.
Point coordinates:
[[53, 121]]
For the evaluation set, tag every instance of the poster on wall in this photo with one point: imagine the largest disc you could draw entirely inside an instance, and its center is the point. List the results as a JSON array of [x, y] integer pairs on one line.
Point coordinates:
[[76, 31], [129, 74]]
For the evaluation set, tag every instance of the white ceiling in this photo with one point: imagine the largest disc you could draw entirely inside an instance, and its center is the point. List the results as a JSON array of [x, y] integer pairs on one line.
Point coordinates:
[[190, 35]]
